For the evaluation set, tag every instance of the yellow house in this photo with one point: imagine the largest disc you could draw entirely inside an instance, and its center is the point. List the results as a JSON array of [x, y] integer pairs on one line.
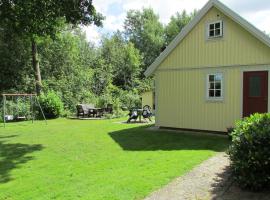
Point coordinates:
[[213, 73], [148, 99]]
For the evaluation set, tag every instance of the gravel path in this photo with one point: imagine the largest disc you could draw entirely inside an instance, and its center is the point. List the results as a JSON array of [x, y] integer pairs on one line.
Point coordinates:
[[210, 180]]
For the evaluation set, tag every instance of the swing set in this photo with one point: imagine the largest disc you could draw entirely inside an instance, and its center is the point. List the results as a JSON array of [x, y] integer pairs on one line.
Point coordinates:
[[20, 111]]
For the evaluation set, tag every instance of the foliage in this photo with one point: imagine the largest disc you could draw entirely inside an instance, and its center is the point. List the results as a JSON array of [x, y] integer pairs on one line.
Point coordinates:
[[130, 100], [51, 104], [250, 152], [74, 68], [66, 67], [176, 24], [14, 62], [106, 157], [122, 59], [102, 77], [34, 20], [104, 100], [144, 30], [44, 18], [17, 107]]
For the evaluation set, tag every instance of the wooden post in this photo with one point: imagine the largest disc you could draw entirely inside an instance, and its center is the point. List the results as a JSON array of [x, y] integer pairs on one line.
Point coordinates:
[[32, 108], [4, 110]]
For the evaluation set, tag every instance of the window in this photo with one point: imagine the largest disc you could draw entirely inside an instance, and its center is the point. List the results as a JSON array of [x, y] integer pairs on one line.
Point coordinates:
[[255, 86], [215, 29], [215, 86]]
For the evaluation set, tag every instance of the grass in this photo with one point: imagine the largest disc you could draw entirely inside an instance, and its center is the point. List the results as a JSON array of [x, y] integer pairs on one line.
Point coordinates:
[[70, 159]]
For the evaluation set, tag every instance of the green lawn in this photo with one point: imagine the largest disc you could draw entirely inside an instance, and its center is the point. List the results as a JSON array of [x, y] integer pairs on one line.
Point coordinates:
[[71, 159]]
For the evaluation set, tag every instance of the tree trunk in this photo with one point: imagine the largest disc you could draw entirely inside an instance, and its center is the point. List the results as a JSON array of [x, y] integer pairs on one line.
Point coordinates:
[[36, 67]]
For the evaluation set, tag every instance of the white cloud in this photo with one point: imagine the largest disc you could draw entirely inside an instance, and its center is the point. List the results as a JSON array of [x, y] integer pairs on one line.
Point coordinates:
[[257, 12], [113, 23], [93, 34]]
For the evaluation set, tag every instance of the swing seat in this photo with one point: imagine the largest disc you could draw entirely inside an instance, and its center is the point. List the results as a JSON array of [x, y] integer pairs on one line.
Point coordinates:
[[20, 118], [9, 117]]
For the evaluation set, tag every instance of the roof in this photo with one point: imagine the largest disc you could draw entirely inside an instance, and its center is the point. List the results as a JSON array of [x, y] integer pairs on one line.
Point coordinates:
[[227, 11]]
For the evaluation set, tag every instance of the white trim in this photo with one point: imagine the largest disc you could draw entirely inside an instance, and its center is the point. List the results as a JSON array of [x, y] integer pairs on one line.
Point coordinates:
[[210, 68], [214, 39], [221, 29], [221, 98], [156, 102], [227, 11]]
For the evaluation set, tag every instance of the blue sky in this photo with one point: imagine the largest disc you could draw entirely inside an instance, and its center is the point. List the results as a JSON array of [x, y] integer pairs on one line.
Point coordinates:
[[255, 11]]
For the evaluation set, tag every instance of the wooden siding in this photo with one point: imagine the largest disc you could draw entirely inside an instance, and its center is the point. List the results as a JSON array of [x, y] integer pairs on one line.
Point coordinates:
[[237, 47], [182, 100], [147, 99]]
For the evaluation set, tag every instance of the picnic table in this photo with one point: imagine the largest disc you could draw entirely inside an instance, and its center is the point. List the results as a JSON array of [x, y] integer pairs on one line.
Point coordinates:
[[88, 110]]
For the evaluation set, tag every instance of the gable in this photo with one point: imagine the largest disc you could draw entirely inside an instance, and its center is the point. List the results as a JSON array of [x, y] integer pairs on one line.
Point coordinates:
[[236, 47], [242, 43]]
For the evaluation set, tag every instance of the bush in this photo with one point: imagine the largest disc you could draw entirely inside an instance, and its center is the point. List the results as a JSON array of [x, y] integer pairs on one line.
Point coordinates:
[[104, 100], [250, 152], [51, 105], [130, 100]]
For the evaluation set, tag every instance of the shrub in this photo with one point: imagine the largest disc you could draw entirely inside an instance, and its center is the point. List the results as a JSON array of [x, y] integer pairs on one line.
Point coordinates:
[[104, 100], [130, 100], [51, 104], [250, 152]]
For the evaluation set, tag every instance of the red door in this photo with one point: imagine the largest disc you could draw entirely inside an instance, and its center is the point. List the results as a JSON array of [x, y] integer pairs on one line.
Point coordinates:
[[255, 92]]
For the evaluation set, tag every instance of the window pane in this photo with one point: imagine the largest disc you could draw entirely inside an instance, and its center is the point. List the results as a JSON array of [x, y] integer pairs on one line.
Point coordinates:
[[255, 86], [212, 33], [218, 85], [211, 93], [218, 93], [212, 86], [217, 32], [218, 77], [212, 27], [211, 78], [217, 25]]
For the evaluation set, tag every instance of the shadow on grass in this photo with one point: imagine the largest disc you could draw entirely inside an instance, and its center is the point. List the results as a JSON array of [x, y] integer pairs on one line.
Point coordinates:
[[13, 155], [143, 139]]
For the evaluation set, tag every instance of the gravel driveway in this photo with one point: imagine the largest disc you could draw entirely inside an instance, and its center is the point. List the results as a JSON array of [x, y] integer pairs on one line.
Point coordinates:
[[210, 180]]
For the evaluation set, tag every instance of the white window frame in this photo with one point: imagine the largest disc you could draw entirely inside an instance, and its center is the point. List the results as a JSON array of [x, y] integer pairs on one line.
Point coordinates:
[[221, 88], [221, 29]]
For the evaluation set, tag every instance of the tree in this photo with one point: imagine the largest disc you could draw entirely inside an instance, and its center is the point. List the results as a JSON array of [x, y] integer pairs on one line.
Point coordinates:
[[127, 71], [144, 30], [68, 62], [124, 60], [176, 24], [34, 19], [101, 78], [14, 63]]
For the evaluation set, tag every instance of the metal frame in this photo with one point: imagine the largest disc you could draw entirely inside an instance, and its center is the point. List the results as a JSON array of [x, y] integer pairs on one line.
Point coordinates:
[[32, 97]]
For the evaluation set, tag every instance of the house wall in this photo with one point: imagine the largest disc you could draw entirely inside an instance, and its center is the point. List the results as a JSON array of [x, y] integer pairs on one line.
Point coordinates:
[[181, 78], [147, 99], [237, 47]]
